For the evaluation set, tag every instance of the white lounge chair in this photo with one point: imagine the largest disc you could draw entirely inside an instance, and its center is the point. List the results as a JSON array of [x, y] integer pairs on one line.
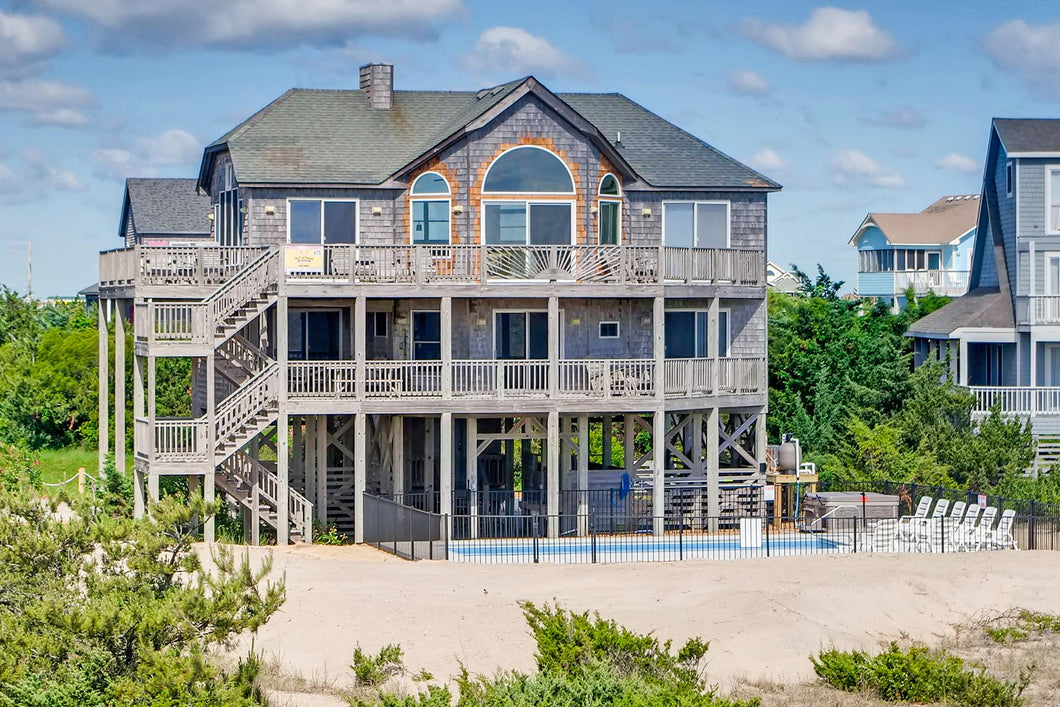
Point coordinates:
[[957, 512], [973, 537], [907, 525], [971, 517], [1001, 537]]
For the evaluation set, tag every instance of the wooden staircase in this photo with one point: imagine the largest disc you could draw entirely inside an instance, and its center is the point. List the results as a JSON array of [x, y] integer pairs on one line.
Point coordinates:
[[240, 475]]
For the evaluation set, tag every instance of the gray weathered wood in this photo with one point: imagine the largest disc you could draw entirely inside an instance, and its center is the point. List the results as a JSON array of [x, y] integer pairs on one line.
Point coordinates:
[[104, 386], [360, 474], [119, 389], [658, 498], [552, 470]]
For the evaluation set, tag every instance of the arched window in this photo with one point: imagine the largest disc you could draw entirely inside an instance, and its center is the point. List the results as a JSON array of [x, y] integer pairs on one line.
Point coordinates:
[[430, 183], [430, 214], [528, 170], [609, 211], [609, 186]]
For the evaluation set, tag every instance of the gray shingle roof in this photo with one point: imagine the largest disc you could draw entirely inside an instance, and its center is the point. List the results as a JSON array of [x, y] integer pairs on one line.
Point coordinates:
[[1029, 134], [309, 136], [980, 308], [167, 207]]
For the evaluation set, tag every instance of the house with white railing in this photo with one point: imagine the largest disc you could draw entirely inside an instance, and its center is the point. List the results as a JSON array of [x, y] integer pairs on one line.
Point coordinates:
[[1002, 339], [929, 251], [449, 294]]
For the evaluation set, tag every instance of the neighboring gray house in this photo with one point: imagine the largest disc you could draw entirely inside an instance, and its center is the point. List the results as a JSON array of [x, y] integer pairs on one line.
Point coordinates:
[[164, 212], [1003, 338], [440, 295]]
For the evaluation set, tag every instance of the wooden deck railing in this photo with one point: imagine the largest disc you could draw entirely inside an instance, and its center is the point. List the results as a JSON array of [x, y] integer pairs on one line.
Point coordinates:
[[181, 440], [207, 266], [1045, 309], [598, 379]]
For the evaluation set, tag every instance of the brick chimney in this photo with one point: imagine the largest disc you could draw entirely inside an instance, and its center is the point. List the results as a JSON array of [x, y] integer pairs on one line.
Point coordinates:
[[377, 81]]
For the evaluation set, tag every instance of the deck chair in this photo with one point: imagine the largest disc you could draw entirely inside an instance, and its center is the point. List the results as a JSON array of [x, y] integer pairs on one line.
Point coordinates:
[[907, 524], [926, 532], [963, 528], [957, 512], [974, 537], [1001, 537]]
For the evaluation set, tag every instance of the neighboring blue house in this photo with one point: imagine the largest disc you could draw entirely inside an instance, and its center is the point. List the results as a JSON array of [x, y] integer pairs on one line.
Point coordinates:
[[930, 251], [1002, 339]]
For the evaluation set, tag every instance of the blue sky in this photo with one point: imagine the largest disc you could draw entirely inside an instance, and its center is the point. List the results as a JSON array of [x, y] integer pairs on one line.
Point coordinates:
[[853, 108]]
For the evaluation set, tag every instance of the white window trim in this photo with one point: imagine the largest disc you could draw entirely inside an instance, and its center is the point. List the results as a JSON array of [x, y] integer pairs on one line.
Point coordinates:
[[574, 183], [322, 200], [412, 220], [695, 218], [1049, 348], [412, 334], [728, 325], [618, 182], [375, 329], [618, 329], [600, 201], [493, 332], [530, 202], [1050, 169], [425, 195], [1046, 257]]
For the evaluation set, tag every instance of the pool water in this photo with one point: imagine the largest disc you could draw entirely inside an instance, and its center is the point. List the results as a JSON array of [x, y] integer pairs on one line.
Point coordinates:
[[646, 548]]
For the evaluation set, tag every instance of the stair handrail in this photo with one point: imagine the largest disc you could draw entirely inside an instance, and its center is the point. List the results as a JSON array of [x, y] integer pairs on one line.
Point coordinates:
[[253, 280], [229, 416], [239, 349], [299, 508]]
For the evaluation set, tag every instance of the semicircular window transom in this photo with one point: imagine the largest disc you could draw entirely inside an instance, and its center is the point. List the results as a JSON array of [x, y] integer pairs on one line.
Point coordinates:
[[528, 170], [430, 183], [609, 186]]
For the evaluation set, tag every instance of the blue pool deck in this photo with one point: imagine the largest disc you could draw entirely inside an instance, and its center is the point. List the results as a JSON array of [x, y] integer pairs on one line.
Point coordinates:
[[640, 548]]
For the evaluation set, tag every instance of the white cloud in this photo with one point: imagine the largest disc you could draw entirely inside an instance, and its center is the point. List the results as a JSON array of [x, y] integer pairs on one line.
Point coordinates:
[[1031, 53], [512, 50], [854, 166], [957, 163], [28, 40], [901, 117], [48, 102], [830, 34], [42, 172], [255, 24], [767, 160], [11, 182], [148, 156], [748, 83]]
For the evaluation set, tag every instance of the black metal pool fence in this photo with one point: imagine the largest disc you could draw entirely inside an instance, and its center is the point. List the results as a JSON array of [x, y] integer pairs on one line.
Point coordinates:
[[410, 526]]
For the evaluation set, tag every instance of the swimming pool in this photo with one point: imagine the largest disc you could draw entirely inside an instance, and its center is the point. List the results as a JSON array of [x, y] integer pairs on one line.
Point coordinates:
[[638, 548]]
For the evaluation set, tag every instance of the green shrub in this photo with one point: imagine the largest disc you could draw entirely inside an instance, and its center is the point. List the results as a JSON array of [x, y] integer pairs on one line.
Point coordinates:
[[916, 675], [331, 536], [582, 660], [374, 670], [1021, 626], [568, 642]]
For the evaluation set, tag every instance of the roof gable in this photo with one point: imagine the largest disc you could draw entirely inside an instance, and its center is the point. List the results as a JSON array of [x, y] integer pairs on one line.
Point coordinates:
[[946, 220], [332, 137], [165, 207], [1027, 137]]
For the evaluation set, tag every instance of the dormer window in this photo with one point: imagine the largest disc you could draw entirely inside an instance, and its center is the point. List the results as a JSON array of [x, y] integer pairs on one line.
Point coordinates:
[[430, 210], [609, 211]]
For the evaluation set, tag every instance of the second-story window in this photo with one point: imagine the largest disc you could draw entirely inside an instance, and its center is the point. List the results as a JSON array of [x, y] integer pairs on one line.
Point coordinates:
[[430, 209], [323, 221], [1052, 198], [609, 212], [696, 224], [228, 211], [523, 199]]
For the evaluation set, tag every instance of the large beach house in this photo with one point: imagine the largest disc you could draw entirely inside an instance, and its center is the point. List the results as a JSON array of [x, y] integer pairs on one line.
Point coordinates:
[[446, 296], [1002, 339]]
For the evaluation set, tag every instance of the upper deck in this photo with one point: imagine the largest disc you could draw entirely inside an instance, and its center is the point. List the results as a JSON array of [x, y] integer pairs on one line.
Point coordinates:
[[193, 272]]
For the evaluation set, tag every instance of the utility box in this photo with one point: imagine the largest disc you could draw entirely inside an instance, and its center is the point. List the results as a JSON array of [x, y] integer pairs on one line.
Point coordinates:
[[837, 505]]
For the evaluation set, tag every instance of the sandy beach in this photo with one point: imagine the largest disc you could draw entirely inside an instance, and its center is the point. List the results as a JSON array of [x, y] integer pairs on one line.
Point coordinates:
[[763, 618]]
